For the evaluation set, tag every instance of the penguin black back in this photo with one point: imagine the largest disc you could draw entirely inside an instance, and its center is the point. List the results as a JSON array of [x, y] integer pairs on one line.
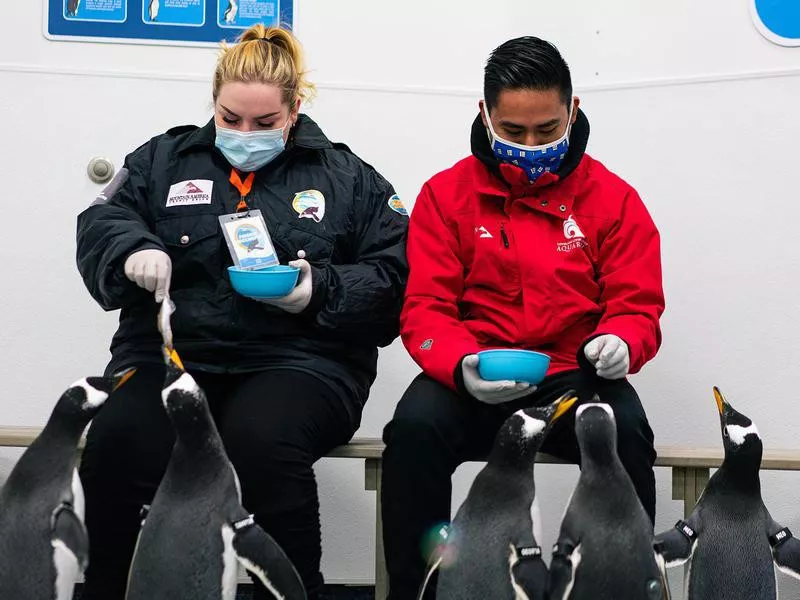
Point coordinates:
[[604, 550]]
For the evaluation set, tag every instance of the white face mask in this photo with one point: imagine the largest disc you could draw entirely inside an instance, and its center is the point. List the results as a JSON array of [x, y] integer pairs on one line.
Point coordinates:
[[250, 150]]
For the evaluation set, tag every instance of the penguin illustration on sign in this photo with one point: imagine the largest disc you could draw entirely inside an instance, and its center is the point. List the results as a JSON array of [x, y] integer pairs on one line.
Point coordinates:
[[230, 12], [732, 541], [196, 531], [44, 546], [152, 9], [72, 7], [605, 547], [492, 548]]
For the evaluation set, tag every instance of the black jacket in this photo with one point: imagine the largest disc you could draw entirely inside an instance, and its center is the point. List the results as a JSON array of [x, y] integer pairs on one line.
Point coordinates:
[[357, 252]]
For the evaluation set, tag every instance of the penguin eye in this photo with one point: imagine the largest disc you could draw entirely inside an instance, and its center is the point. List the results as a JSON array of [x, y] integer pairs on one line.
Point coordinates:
[[725, 432]]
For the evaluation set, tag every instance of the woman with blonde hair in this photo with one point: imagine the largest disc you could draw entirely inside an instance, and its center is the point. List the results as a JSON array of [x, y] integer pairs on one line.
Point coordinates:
[[286, 377]]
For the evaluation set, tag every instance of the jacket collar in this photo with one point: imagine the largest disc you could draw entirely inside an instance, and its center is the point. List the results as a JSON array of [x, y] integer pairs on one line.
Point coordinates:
[[305, 134], [504, 177]]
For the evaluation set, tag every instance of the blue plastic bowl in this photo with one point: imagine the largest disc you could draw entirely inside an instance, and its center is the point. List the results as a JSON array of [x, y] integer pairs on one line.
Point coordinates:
[[513, 365], [269, 282]]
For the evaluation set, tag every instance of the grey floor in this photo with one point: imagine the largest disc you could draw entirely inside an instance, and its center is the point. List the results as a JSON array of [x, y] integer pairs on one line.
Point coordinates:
[[332, 592]]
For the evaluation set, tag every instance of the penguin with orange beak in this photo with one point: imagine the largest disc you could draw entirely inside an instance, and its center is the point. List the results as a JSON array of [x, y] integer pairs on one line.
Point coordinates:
[[492, 546], [605, 546], [44, 545], [196, 532], [730, 538]]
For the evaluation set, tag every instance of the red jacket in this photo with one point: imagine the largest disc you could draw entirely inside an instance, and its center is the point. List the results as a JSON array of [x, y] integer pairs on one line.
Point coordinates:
[[498, 262]]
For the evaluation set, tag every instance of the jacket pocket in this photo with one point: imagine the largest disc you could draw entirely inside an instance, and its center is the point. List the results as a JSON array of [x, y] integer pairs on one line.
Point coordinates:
[[289, 239], [495, 263], [196, 247]]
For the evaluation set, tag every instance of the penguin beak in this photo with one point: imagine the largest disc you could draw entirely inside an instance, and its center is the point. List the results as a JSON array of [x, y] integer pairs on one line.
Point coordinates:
[[721, 403], [564, 404], [173, 360], [121, 378]]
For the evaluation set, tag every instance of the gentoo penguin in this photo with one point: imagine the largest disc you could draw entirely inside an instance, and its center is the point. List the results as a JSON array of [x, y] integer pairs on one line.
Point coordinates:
[[43, 542], [605, 547], [730, 537], [72, 7], [152, 9], [492, 546], [230, 12], [196, 531]]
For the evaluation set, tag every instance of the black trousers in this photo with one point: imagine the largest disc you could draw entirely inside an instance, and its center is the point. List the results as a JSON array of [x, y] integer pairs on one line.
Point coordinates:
[[435, 429], [274, 425]]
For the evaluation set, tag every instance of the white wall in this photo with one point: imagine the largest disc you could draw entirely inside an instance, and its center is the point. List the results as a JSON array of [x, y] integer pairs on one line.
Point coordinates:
[[686, 100]]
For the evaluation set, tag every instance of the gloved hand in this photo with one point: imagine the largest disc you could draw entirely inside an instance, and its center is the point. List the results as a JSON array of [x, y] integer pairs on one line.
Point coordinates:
[[150, 269], [609, 354], [491, 392], [296, 301]]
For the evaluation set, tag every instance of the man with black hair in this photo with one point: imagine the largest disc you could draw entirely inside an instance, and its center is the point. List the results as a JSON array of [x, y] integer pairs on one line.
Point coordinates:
[[529, 243]]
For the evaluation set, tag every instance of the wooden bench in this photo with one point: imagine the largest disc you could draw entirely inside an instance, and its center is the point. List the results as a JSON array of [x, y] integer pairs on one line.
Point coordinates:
[[690, 472]]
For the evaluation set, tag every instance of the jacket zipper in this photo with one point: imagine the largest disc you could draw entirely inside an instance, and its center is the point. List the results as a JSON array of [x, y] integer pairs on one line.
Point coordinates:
[[503, 234]]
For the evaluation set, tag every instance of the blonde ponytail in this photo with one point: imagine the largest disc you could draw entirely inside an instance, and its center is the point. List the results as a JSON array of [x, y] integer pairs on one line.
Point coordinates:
[[268, 55]]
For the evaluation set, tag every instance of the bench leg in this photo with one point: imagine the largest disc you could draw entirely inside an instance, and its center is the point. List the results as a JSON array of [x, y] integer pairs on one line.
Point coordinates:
[[373, 468], [688, 484]]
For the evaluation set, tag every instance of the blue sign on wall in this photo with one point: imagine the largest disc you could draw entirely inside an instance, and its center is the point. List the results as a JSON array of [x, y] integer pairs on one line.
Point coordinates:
[[180, 22], [777, 20]]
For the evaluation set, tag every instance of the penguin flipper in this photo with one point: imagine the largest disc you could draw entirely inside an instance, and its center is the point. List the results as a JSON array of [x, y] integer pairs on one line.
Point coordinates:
[[427, 590], [69, 530], [529, 572], [785, 550], [662, 570], [677, 545], [261, 555], [563, 565]]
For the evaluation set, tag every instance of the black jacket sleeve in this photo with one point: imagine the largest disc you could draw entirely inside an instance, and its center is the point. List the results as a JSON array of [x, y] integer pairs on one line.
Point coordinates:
[[362, 301], [114, 227]]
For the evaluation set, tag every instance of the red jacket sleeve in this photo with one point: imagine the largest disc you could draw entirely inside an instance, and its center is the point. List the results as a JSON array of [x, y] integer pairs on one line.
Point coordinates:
[[430, 324], [630, 280]]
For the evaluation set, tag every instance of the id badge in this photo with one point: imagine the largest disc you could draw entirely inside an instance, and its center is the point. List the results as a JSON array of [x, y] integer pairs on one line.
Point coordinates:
[[248, 240]]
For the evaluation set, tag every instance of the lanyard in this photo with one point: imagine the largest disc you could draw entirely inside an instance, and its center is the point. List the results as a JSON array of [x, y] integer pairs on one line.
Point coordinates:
[[244, 188]]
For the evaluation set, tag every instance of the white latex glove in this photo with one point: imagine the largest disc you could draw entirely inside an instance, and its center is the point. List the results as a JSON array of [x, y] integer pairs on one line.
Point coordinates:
[[150, 269], [295, 301], [491, 392], [609, 354]]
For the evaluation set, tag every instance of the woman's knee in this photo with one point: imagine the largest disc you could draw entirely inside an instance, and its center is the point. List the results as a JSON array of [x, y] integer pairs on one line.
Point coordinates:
[[131, 437]]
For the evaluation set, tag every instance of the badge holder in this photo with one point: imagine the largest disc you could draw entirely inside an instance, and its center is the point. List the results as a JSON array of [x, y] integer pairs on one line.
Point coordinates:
[[248, 240], [246, 232]]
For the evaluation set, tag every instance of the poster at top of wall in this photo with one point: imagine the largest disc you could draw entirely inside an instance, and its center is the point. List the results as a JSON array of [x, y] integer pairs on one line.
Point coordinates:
[[173, 22], [777, 20]]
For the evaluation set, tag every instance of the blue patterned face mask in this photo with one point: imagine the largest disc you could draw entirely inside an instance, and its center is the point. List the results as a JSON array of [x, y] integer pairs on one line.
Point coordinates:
[[534, 160]]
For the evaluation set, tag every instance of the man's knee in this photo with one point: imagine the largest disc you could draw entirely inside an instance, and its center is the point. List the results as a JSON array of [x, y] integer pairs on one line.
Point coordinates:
[[421, 419], [634, 434]]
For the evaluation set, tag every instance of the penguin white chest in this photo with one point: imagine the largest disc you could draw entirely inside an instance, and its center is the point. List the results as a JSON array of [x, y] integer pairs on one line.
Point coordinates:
[[67, 570], [230, 565]]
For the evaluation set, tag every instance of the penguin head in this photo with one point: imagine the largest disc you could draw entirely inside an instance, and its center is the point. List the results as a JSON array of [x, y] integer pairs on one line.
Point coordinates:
[[523, 432], [596, 430], [739, 434], [180, 394], [86, 396]]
